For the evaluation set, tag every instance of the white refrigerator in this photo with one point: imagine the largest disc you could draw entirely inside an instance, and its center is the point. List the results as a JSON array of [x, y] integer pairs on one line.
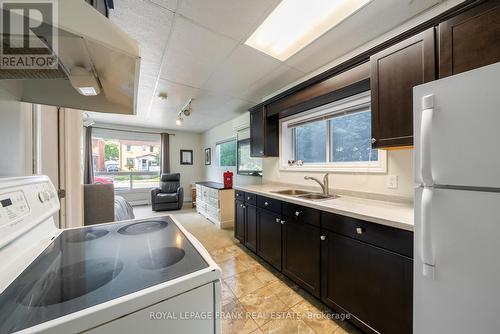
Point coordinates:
[[457, 204]]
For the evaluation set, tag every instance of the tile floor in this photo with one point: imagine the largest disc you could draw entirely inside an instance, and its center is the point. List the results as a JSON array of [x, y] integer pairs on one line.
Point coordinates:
[[258, 298]]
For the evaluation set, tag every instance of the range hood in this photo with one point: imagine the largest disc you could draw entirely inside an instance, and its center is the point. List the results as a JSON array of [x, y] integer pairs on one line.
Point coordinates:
[[90, 50]]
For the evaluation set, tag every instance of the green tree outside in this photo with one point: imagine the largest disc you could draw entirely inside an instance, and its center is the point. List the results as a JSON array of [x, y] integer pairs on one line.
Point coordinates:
[[111, 151]]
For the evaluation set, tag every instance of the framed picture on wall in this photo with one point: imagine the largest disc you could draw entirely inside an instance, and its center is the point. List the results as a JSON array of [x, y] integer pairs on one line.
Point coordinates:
[[186, 157], [208, 156]]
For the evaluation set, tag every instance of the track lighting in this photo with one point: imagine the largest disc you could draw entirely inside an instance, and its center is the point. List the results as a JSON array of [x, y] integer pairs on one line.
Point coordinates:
[[185, 112]]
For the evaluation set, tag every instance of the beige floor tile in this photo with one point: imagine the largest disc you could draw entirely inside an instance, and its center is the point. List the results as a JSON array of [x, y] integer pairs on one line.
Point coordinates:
[[221, 255], [243, 284], [232, 267], [286, 294], [235, 320], [257, 331], [263, 305], [263, 274], [286, 326], [227, 295], [315, 318], [250, 285]]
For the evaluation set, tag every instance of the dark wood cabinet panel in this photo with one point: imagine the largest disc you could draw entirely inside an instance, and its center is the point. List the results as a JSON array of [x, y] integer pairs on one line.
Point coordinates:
[[302, 214], [301, 255], [394, 73], [269, 237], [390, 238], [251, 227], [270, 204], [239, 222], [250, 198], [264, 134], [374, 285], [347, 83], [470, 40]]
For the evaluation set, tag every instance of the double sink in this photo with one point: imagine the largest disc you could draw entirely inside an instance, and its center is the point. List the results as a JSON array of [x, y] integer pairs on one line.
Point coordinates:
[[304, 194]]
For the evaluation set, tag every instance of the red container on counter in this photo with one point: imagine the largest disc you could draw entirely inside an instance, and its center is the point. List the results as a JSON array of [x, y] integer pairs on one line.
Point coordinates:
[[228, 180]]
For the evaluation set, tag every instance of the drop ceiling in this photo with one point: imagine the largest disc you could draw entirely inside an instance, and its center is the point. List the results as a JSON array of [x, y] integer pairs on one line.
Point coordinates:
[[195, 49]]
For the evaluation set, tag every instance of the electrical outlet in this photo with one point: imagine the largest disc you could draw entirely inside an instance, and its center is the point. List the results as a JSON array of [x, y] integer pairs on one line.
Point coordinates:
[[392, 182]]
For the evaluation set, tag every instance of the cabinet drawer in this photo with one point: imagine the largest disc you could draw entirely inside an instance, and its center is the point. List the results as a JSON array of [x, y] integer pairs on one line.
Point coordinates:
[[301, 214], [270, 204], [239, 195], [393, 239], [250, 198]]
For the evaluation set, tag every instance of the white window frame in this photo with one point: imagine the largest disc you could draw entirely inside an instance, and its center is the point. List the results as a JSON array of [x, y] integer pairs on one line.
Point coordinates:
[[217, 152], [341, 107]]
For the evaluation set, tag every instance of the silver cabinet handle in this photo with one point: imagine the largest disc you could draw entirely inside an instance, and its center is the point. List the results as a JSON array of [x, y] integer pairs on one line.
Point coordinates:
[[283, 222], [266, 204], [323, 238], [277, 220], [360, 230], [297, 213], [374, 140]]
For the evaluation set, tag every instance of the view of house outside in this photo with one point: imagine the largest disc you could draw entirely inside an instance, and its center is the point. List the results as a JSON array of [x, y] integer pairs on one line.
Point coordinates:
[[128, 164]]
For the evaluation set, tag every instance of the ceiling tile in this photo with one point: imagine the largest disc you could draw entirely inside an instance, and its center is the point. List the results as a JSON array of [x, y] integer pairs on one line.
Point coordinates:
[[357, 30], [169, 4], [279, 78], [243, 68], [150, 25], [194, 53], [232, 18]]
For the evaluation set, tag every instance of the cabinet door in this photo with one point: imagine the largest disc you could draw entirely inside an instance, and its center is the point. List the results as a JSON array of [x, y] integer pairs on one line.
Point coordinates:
[[374, 285], [264, 134], [301, 254], [269, 237], [470, 40], [257, 123], [394, 73], [251, 227], [239, 222]]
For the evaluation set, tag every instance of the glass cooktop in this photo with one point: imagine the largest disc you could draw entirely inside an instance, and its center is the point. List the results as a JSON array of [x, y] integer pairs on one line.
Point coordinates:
[[88, 266]]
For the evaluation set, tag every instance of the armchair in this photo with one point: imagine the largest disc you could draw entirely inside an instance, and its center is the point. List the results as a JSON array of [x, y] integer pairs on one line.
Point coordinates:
[[170, 195]]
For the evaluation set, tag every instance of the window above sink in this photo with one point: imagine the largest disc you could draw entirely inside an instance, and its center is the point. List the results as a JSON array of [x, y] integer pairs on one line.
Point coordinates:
[[335, 137]]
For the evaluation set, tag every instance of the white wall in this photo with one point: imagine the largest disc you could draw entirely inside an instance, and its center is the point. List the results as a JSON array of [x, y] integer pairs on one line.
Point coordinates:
[[219, 133], [15, 137], [189, 173]]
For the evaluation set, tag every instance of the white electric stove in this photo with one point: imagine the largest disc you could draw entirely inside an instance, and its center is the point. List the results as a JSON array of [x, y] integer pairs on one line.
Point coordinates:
[[149, 275]]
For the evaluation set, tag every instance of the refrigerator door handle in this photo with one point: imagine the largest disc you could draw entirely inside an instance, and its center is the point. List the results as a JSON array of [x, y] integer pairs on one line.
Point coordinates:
[[426, 224], [425, 140]]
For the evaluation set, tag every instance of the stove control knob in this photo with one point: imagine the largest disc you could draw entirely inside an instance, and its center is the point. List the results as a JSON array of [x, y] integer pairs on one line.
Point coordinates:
[[44, 196]]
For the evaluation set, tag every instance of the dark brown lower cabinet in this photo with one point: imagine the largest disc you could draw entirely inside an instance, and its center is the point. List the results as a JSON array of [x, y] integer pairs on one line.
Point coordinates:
[[372, 284], [301, 255], [239, 223], [251, 227], [269, 237]]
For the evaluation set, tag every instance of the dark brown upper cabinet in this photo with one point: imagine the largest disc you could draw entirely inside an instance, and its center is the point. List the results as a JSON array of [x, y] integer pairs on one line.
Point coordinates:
[[394, 73], [264, 134], [470, 40]]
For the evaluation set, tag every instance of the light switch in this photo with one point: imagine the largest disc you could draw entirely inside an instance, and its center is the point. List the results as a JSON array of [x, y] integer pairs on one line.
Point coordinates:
[[392, 182]]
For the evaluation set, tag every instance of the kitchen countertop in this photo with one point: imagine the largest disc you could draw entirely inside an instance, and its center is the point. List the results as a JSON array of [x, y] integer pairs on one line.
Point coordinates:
[[213, 185], [398, 215]]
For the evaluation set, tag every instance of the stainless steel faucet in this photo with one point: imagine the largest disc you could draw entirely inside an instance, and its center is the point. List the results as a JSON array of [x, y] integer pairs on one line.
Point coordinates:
[[324, 185]]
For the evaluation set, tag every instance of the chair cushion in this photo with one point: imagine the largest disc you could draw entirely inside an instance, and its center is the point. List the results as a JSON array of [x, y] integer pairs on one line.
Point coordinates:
[[170, 177], [169, 183], [166, 198]]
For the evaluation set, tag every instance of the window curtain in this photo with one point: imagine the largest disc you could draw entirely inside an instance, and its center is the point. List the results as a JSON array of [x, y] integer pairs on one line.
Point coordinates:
[[165, 153], [88, 172]]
